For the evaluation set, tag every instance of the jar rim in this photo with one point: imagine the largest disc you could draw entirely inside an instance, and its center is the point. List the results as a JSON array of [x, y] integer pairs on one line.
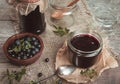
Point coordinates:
[[98, 37], [62, 7]]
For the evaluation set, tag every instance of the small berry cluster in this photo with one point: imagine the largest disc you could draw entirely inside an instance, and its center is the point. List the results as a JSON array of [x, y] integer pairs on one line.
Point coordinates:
[[24, 48]]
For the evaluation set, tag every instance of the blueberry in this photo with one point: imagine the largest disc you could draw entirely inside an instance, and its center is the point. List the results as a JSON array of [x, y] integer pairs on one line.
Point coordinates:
[[39, 46], [46, 59], [28, 38], [31, 56], [39, 74], [12, 45], [17, 42], [9, 48], [25, 57], [28, 51], [26, 42], [33, 47], [33, 52], [18, 57], [36, 49], [24, 50], [13, 55], [10, 53], [33, 38], [36, 43], [21, 53], [23, 38], [27, 54]]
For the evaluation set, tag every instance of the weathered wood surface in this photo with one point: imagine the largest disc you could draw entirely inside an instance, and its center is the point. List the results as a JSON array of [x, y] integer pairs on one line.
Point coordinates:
[[52, 44]]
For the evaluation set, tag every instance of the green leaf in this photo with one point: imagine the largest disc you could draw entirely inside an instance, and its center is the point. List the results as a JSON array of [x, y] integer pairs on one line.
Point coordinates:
[[60, 31], [18, 77], [55, 27], [10, 77], [35, 82], [8, 73], [15, 75], [28, 46], [89, 73], [20, 74], [58, 81], [23, 71]]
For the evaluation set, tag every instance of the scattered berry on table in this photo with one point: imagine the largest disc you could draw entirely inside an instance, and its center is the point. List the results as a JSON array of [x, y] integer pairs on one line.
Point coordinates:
[[46, 59], [39, 74]]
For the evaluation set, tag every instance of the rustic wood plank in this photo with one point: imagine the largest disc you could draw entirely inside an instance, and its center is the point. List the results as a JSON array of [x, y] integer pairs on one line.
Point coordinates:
[[6, 30], [8, 14], [4, 4], [110, 76]]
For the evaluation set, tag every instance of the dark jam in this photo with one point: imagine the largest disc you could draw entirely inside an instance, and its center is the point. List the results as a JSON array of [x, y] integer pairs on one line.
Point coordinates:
[[34, 22], [85, 43]]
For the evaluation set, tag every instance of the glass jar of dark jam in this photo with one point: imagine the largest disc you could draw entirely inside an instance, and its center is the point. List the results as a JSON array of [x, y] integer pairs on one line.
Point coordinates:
[[84, 48], [31, 18]]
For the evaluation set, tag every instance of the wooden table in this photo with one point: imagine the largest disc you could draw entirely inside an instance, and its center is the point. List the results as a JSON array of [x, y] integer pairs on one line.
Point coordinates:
[[9, 26]]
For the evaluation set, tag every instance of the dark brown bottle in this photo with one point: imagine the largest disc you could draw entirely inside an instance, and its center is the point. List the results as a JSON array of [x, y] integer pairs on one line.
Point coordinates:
[[34, 22]]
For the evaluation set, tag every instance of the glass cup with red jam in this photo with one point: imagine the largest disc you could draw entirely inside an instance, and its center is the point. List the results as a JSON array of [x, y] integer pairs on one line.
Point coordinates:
[[84, 48]]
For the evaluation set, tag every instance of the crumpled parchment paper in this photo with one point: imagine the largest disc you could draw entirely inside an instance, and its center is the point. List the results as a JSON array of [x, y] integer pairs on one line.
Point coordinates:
[[107, 61]]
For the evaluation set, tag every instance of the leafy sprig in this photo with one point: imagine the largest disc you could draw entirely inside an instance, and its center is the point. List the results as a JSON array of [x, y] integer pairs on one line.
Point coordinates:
[[34, 82], [22, 46], [15, 75], [89, 73], [60, 31], [56, 81]]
